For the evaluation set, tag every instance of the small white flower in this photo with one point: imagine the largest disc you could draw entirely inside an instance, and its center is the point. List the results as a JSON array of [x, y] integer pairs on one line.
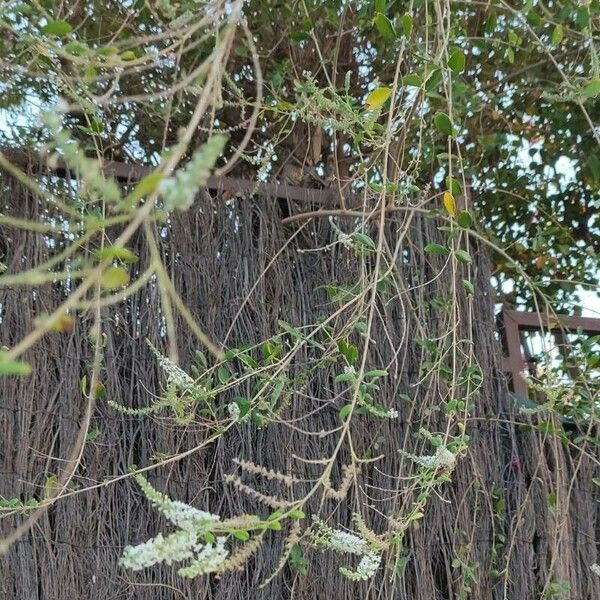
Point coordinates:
[[595, 568], [445, 458], [429, 462], [393, 413], [208, 560], [348, 370], [345, 240], [367, 567], [234, 410], [342, 541]]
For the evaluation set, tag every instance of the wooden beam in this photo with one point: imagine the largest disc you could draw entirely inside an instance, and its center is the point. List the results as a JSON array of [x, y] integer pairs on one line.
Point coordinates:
[[514, 362], [530, 321], [128, 172]]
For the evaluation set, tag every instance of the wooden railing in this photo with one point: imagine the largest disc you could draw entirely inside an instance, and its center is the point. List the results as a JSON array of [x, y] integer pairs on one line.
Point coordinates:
[[512, 323]]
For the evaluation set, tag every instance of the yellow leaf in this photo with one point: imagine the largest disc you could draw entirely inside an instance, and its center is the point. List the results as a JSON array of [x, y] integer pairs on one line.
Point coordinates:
[[450, 204], [378, 97], [114, 277], [416, 516]]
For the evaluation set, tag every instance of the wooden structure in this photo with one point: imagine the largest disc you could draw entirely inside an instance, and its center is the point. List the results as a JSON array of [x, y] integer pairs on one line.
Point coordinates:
[[512, 323]]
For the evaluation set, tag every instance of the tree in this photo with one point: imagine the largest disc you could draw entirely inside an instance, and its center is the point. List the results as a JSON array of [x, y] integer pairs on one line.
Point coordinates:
[[518, 83], [434, 131]]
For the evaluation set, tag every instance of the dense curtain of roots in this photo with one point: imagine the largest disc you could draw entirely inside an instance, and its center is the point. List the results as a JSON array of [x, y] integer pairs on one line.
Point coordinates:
[[496, 513]]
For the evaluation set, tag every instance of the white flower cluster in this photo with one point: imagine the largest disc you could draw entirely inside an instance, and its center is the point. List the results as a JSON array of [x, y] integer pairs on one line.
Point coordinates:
[[234, 410], [367, 567], [392, 413], [175, 547], [179, 192], [327, 538], [210, 558], [179, 513], [342, 541], [349, 370], [442, 459], [185, 516], [174, 373], [595, 568], [345, 240], [180, 545]]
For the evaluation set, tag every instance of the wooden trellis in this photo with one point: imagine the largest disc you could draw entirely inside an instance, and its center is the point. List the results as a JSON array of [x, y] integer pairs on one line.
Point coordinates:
[[513, 323]]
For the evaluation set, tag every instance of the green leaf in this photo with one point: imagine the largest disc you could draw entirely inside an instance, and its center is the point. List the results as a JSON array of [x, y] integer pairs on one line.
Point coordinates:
[[593, 166], [298, 563], [58, 28], [274, 525], [416, 516], [464, 219], [468, 287], [296, 514], [128, 55], [241, 535], [244, 405], [361, 326], [14, 367], [76, 48], [596, 481], [145, 187], [224, 375], [433, 81], [582, 17], [407, 25], [209, 537], [115, 253], [343, 377], [364, 240], [108, 51], [378, 97], [592, 89], [557, 35], [114, 277], [462, 256], [293, 331], [412, 80], [534, 19], [443, 123], [436, 249], [400, 565], [248, 361], [384, 26], [376, 373], [50, 485], [456, 61], [93, 434], [344, 412], [453, 186], [201, 358], [349, 351]]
